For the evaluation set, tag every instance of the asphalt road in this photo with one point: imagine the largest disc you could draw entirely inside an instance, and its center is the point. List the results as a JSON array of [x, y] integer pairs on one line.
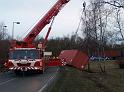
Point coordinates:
[[9, 82]]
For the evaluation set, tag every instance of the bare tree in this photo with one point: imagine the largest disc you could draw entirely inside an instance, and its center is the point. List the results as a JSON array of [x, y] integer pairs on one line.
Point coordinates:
[[115, 3], [118, 24], [3, 31], [94, 21]]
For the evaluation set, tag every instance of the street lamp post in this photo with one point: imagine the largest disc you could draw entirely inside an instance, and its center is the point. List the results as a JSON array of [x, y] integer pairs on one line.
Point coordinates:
[[3, 33], [13, 28]]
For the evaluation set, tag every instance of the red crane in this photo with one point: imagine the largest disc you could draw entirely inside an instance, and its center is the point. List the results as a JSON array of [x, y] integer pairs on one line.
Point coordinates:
[[45, 20], [24, 56]]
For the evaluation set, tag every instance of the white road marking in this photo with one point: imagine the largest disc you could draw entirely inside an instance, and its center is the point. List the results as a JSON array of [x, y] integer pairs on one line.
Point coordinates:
[[2, 83], [47, 82]]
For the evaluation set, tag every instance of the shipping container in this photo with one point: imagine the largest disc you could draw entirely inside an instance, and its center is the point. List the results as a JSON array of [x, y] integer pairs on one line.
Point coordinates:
[[111, 53], [68, 56], [75, 58]]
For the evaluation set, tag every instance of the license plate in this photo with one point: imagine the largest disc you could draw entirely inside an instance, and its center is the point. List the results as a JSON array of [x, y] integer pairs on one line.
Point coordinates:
[[23, 62]]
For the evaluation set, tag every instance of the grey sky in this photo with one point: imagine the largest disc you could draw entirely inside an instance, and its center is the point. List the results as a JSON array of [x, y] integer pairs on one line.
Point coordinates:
[[29, 11]]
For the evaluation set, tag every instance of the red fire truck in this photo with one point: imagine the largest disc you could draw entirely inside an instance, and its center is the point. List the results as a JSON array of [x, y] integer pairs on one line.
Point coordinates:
[[24, 55]]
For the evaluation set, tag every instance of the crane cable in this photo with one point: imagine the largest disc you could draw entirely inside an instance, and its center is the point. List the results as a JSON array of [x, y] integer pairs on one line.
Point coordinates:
[[84, 7], [52, 22], [48, 32], [78, 27]]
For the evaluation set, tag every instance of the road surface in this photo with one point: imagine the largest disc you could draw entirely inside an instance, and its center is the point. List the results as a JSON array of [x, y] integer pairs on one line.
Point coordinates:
[[9, 82]]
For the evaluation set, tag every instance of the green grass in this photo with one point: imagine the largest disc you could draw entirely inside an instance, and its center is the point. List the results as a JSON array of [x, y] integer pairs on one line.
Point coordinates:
[[73, 80]]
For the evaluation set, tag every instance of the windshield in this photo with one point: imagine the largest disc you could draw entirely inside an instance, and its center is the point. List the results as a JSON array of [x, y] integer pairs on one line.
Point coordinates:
[[24, 54]]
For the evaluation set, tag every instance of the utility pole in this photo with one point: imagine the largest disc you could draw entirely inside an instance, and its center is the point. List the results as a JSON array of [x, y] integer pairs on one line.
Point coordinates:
[[13, 28]]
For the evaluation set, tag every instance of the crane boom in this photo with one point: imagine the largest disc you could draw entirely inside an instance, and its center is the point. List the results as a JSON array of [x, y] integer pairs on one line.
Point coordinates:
[[45, 20]]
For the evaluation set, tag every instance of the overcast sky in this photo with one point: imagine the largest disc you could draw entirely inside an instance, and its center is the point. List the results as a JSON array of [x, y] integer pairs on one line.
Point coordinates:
[[27, 12]]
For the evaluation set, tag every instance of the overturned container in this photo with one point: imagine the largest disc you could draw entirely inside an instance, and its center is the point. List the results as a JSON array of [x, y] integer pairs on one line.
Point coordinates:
[[75, 58]]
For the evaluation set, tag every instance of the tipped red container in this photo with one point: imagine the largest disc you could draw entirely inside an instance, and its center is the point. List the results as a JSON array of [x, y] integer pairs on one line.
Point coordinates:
[[75, 58]]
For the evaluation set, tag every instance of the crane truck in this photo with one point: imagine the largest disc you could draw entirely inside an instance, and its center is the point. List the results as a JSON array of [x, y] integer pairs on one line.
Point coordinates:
[[25, 55]]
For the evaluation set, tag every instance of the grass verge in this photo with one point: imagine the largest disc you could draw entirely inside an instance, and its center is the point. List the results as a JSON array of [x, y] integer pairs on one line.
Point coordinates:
[[73, 80]]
